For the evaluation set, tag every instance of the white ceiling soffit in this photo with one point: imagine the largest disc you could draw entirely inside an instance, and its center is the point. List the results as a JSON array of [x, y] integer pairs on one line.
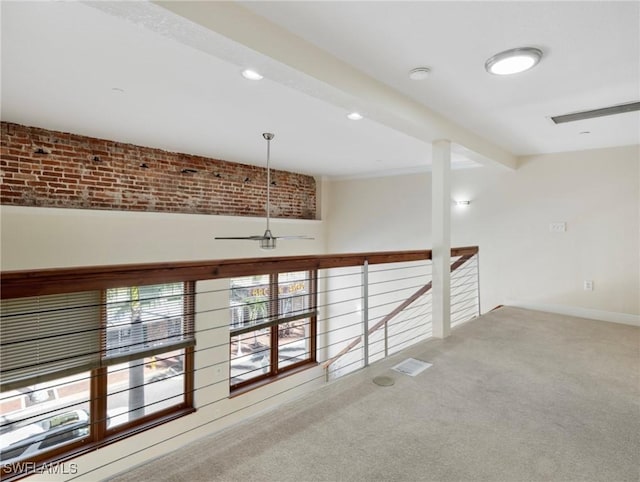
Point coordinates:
[[291, 60], [591, 60], [178, 67], [137, 73]]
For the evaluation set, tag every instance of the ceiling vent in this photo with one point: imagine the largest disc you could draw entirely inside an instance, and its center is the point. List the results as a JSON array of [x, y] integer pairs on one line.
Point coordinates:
[[590, 114]]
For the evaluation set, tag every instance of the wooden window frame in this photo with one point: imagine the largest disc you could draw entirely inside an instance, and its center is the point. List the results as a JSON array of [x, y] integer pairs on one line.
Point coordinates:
[[99, 435], [275, 322]]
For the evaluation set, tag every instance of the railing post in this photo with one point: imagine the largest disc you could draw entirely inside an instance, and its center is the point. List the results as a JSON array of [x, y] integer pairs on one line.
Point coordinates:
[[386, 340], [478, 282], [365, 310]]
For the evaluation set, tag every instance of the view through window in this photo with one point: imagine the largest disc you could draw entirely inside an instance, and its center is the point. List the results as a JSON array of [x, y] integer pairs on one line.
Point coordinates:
[[273, 325], [137, 343]]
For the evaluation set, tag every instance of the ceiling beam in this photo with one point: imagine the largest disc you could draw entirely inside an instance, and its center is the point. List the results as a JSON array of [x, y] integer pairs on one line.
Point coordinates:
[[332, 80]]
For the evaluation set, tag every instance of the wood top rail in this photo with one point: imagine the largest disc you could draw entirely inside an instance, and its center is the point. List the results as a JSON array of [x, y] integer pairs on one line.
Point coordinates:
[[19, 284]]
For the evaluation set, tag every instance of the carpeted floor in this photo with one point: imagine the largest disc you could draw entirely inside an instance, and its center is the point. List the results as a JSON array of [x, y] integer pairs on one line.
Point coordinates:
[[515, 395]]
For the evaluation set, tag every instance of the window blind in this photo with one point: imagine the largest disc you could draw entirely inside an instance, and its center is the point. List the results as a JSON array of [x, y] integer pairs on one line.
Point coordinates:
[[145, 321], [48, 337], [53, 336]]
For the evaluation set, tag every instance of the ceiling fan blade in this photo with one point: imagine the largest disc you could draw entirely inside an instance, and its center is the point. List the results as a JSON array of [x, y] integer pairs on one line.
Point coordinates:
[[250, 238], [293, 237]]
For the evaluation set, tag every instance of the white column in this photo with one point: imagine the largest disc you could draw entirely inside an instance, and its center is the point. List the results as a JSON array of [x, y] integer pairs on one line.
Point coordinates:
[[441, 237]]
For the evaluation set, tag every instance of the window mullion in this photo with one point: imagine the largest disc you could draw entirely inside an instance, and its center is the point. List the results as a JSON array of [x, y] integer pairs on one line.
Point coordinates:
[[274, 313], [98, 389], [98, 403], [189, 326], [313, 321]]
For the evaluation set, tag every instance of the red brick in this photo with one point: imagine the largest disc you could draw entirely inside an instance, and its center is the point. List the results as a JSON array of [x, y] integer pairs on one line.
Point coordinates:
[[117, 182]]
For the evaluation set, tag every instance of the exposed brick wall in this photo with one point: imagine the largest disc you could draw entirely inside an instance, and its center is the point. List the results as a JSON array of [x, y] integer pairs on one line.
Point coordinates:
[[54, 169]]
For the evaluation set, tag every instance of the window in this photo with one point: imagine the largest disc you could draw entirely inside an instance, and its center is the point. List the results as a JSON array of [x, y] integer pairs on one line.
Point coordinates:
[[80, 367], [144, 386], [273, 325], [45, 416], [144, 343]]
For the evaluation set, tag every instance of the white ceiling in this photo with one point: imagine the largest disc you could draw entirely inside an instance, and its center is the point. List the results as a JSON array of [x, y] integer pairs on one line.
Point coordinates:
[[179, 65]]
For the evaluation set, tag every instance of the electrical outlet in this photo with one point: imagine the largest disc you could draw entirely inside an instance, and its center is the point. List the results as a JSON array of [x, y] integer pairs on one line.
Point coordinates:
[[558, 227], [588, 285]]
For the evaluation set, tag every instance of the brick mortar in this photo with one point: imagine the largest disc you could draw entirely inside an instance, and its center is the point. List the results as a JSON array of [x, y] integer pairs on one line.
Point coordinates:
[[45, 168]]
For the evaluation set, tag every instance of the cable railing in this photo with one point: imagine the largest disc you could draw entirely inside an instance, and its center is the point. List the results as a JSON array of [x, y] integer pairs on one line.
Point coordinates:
[[288, 323], [390, 326]]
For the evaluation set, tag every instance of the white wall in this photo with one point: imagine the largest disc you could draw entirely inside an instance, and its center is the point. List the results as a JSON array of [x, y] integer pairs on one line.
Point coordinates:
[[35, 237], [597, 193]]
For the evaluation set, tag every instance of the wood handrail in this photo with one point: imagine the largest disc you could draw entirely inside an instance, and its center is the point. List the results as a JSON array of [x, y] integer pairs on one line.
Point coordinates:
[[401, 307], [18, 284]]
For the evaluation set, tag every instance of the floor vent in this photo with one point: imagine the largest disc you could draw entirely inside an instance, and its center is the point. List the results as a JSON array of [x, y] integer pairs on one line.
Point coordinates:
[[383, 381], [411, 367]]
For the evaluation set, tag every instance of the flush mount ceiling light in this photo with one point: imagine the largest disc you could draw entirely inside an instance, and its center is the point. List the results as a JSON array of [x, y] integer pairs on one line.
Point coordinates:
[[354, 116], [419, 73], [251, 74], [267, 240], [513, 61]]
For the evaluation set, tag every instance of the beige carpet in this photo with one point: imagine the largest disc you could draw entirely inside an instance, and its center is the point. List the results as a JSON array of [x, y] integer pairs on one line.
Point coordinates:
[[515, 395]]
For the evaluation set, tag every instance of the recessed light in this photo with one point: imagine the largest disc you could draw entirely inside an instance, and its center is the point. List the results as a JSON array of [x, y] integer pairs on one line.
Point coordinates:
[[419, 73], [251, 75], [354, 116], [513, 61]]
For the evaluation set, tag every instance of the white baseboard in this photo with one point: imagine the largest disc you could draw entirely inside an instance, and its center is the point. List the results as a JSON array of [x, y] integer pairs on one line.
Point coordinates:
[[612, 316]]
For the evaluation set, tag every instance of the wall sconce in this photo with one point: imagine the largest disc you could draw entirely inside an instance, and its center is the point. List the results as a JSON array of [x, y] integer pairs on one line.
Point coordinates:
[[463, 203]]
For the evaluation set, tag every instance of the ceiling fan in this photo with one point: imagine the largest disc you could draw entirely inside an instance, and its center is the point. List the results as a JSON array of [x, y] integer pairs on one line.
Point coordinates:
[[267, 240]]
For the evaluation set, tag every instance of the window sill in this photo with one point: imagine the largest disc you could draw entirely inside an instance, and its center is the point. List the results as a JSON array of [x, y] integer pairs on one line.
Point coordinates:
[[235, 392]]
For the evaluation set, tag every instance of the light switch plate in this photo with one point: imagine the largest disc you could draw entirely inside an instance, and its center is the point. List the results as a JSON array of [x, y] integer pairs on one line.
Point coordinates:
[[558, 227]]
